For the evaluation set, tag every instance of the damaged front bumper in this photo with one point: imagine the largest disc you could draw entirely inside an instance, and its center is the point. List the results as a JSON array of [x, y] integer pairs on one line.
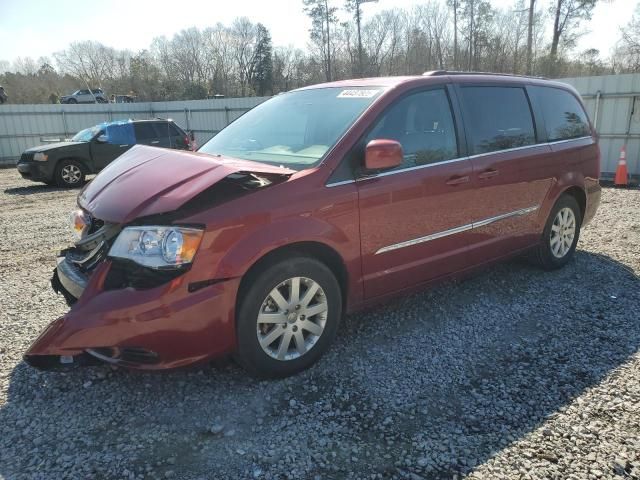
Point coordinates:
[[161, 327]]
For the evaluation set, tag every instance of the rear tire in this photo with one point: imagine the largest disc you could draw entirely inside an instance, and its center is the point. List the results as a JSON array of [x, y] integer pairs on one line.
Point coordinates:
[[69, 174], [560, 235], [287, 317]]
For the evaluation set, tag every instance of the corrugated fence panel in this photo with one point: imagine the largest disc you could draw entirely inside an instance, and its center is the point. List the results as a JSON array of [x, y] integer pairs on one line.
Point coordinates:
[[26, 126], [618, 118]]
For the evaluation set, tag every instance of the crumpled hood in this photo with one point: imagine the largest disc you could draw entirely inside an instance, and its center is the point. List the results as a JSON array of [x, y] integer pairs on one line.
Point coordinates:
[[149, 180], [51, 146]]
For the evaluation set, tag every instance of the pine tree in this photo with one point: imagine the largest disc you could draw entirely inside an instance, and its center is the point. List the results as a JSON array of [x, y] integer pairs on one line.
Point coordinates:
[[263, 68]]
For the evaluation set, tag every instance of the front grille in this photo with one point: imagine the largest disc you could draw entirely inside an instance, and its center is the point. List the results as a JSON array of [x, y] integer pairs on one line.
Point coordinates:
[[125, 354], [126, 273], [27, 157], [96, 224]]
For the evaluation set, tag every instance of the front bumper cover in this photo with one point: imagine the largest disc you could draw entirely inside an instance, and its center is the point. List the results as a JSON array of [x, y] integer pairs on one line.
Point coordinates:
[[152, 329], [36, 171]]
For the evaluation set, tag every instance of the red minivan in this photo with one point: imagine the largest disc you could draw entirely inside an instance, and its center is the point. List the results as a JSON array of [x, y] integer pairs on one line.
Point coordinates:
[[318, 202]]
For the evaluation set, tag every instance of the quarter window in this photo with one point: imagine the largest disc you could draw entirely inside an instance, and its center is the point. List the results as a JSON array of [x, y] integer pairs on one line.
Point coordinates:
[[423, 124], [497, 118], [564, 117]]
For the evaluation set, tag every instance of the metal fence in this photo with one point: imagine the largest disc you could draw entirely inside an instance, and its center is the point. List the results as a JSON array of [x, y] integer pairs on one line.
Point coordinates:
[[25, 126], [613, 103]]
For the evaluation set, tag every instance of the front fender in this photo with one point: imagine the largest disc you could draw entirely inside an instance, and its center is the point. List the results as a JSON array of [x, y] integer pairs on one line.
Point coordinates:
[[232, 248]]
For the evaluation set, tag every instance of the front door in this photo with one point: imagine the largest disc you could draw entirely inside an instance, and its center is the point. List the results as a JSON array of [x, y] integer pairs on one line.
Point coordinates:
[[414, 220], [104, 152], [510, 169]]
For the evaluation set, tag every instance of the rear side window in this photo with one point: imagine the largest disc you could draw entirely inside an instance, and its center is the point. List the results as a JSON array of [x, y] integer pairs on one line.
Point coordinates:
[[144, 131], [564, 117], [164, 129], [423, 124], [497, 118]]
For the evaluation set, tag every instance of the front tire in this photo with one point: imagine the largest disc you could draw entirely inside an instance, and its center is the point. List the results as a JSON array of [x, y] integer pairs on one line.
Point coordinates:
[[287, 317], [69, 174], [560, 235]]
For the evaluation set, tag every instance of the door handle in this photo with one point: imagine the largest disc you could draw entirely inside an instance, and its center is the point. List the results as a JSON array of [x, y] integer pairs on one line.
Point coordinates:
[[491, 172], [155, 141], [457, 180], [122, 146]]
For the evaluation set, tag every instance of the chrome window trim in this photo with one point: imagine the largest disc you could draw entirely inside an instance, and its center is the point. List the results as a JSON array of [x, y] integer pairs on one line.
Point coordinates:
[[555, 142], [460, 229], [458, 159], [337, 184], [507, 150]]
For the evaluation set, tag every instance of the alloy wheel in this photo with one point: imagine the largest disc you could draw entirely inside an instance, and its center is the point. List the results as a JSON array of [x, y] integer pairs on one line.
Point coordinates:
[[563, 232], [71, 174], [292, 318]]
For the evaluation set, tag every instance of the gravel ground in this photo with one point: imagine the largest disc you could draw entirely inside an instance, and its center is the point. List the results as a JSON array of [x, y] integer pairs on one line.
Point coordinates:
[[515, 373]]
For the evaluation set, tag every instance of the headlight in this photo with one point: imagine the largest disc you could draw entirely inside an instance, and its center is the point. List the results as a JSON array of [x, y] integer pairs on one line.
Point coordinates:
[[80, 223], [157, 246], [40, 157]]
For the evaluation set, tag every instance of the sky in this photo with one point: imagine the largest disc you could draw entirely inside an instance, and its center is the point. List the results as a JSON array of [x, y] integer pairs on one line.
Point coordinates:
[[37, 28]]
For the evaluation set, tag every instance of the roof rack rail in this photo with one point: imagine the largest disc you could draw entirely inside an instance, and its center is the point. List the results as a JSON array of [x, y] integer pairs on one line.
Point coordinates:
[[435, 73]]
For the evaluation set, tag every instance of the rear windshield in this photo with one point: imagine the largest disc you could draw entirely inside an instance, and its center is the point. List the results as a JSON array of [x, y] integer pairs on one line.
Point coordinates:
[[295, 129]]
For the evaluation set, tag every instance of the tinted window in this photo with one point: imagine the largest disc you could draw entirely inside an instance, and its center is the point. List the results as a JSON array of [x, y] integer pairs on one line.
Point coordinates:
[[162, 129], [497, 118], [423, 124], [563, 115], [144, 131], [174, 131]]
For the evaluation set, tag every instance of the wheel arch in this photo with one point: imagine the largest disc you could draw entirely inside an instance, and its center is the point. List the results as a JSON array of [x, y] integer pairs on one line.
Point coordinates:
[[314, 249], [81, 161], [579, 195]]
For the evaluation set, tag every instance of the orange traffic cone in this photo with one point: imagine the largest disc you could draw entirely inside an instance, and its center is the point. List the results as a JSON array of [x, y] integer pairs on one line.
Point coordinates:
[[621, 171]]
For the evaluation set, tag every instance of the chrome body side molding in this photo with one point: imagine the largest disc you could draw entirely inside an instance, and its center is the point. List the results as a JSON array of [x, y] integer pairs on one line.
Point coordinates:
[[460, 229]]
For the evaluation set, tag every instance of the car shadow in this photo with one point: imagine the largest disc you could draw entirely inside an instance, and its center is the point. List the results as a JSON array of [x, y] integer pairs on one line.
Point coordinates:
[[449, 377], [34, 189]]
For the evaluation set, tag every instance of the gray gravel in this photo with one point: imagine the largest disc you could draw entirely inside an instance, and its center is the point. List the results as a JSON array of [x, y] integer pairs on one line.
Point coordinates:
[[515, 373]]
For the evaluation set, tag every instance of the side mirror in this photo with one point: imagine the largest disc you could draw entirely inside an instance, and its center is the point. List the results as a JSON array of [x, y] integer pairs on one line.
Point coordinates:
[[192, 136], [102, 139], [382, 154]]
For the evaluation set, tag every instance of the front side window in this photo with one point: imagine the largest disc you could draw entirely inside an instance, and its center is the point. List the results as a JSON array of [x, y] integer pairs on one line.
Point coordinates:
[[497, 118], [564, 117], [85, 135], [422, 123], [295, 129]]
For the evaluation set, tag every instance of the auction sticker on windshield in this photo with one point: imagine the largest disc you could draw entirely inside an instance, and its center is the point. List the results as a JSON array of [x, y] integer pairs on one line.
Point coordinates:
[[357, 93]]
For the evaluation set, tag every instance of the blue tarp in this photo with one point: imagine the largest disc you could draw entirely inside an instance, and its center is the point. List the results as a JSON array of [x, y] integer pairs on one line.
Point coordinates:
[[120, 133]]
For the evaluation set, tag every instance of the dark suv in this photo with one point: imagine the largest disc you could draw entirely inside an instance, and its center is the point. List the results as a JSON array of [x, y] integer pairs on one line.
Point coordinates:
[[67, 163]]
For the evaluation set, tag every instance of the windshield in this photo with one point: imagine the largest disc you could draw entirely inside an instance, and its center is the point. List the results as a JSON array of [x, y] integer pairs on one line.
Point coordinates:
[[295, 129], [85, 135]]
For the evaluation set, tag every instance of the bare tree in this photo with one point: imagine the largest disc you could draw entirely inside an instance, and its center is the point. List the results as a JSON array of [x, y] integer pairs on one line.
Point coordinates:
[[567, 16], [323, 17], [531, 12], [90, 61]]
